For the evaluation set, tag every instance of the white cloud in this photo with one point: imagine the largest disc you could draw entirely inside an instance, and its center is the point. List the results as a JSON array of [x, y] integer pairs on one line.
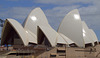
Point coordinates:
[[11, 0], [14, 0], [63, 2], [56, 14], [90, 13], [19, 13], [18, 0]]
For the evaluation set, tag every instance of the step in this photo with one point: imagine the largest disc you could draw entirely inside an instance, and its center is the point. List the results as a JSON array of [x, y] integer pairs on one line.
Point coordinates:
[[53, 54], [61, 50]]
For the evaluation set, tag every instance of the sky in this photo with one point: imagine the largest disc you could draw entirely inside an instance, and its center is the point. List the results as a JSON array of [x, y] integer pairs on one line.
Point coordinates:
[[55, 10]]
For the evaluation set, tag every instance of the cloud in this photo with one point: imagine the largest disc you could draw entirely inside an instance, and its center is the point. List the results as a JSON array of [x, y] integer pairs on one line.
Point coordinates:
[[18, 0], [11, 0], [63, 2], [90, 13], [19, 13], [56, 14]]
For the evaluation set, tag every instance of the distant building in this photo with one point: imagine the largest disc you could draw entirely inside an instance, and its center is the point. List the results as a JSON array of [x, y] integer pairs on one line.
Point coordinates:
[[36, 30]]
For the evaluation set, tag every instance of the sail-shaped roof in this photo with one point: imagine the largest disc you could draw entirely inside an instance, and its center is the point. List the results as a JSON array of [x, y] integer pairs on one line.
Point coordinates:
[[34, 19], [71, 26], [86, 34], [17, 27], [92, 33]]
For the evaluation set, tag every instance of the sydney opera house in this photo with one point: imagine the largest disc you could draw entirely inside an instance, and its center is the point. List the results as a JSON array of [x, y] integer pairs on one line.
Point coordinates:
[[72, 31]]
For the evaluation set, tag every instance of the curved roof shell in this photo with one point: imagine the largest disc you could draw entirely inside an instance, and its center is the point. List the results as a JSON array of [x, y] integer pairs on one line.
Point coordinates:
[[61, 40], [71, 26], [34, 19], [86, 34], [92, 33], [32, 38], [66, 39], [18, 28], [50, 34], [53, 36], [71, 29]]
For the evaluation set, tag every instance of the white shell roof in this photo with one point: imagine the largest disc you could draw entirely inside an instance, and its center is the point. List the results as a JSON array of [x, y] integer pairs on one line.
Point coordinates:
[[93, 35], [86, 34], [66, 39], [32, 38], [71, 27], [54, 37], [19, 29], [26, 35], [35, 18], [50, 34], [61, 40]]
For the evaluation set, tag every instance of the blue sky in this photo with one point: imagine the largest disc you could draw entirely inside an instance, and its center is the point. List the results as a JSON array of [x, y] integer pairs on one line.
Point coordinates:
[[55, 10]]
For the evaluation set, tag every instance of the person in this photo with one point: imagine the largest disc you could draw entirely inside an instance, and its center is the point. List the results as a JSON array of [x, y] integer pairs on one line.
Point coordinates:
[[91, 50], [47, 49], [94, 49], [7, 46]]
